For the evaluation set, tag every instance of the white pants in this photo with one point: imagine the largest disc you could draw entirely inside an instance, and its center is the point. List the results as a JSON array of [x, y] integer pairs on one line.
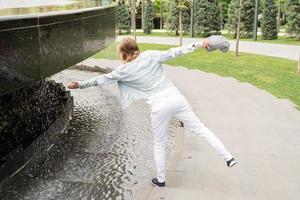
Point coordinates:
[[171, 103]]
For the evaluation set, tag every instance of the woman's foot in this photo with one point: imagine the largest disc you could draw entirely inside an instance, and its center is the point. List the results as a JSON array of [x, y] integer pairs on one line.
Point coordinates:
[[155, 182], [231, 162]]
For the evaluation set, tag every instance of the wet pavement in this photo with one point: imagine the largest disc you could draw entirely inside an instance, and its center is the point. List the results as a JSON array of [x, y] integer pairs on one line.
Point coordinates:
[[104, 154]]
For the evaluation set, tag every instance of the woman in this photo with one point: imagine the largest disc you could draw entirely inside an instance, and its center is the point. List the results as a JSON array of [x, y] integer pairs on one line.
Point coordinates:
[[142, 76]]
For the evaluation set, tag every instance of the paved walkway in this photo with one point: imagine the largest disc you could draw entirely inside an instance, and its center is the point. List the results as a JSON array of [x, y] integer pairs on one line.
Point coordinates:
[[223, 31], [277, 50], [262, 131]]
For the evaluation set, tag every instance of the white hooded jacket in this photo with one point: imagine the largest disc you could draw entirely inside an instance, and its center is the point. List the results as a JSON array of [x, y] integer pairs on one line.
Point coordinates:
[[142, 77]]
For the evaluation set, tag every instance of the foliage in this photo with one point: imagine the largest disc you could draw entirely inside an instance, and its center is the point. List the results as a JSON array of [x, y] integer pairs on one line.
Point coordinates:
[[149, 16], [173, 18], [207, 17], [293, 18], [124, 16], [269, 21], [224, 5], [247, 17], [161, 3]]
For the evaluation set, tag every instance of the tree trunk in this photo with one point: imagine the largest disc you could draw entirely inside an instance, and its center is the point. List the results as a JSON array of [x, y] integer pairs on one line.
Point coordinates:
[[180, 26], [238, 30], [133, 18], [143, 15], [161, 15], [255, 19]]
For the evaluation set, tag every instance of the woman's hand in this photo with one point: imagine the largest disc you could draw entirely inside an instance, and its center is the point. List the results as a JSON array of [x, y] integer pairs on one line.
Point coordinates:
[[73, 85], [206, 43]]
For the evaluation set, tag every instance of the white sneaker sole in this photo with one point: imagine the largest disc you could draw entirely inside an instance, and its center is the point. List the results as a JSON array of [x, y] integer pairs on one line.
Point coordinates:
[[232, 163]]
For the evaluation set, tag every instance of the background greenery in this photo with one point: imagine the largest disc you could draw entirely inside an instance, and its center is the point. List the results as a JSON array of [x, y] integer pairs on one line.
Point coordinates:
[[215, 15]]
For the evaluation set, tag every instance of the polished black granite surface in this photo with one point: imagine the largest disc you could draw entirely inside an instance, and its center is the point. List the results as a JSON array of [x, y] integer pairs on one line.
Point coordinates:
[[31, 121], [35, 46]]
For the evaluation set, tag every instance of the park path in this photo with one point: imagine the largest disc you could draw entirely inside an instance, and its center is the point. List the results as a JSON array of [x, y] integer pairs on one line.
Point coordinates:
[[261, 131], [277, 50]]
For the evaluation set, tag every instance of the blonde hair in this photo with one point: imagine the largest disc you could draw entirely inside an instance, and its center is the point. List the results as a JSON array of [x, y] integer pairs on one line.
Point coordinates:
[[128, 48]]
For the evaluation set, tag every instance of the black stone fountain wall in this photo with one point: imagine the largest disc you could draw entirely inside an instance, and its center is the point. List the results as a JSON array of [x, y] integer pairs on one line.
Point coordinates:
[[33, 112], [33, 47], [31, 121]]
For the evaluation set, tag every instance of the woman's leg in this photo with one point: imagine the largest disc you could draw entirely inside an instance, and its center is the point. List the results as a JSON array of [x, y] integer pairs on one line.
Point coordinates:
[[191, 121], [161, 113], [160, 126]]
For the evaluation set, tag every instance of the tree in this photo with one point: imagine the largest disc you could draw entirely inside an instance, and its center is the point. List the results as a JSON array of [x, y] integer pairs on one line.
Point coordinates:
[[207, 18], [173, 18], [133, 17], [140, 11], [160, 8], [247, 18], [238, 29], [124, 17], [293, 18], [149, 16], [269, 22], [224, 4], [280, 5], [181, 7]]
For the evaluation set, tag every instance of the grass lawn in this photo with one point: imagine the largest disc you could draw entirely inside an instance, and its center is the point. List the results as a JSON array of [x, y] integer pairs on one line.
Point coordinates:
[[276, 75], [280, 40]]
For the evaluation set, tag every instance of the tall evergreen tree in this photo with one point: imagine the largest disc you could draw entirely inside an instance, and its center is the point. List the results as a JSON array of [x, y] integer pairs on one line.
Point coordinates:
[[207, 17], [124, 16], [149, 16], [224, 4], [293, 18], [269, 21], [233, 13], [173, 18], [247, 17]]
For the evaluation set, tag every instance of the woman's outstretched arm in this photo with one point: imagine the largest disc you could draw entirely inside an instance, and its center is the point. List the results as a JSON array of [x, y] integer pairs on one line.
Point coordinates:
[[178, 51], [101, 80]]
